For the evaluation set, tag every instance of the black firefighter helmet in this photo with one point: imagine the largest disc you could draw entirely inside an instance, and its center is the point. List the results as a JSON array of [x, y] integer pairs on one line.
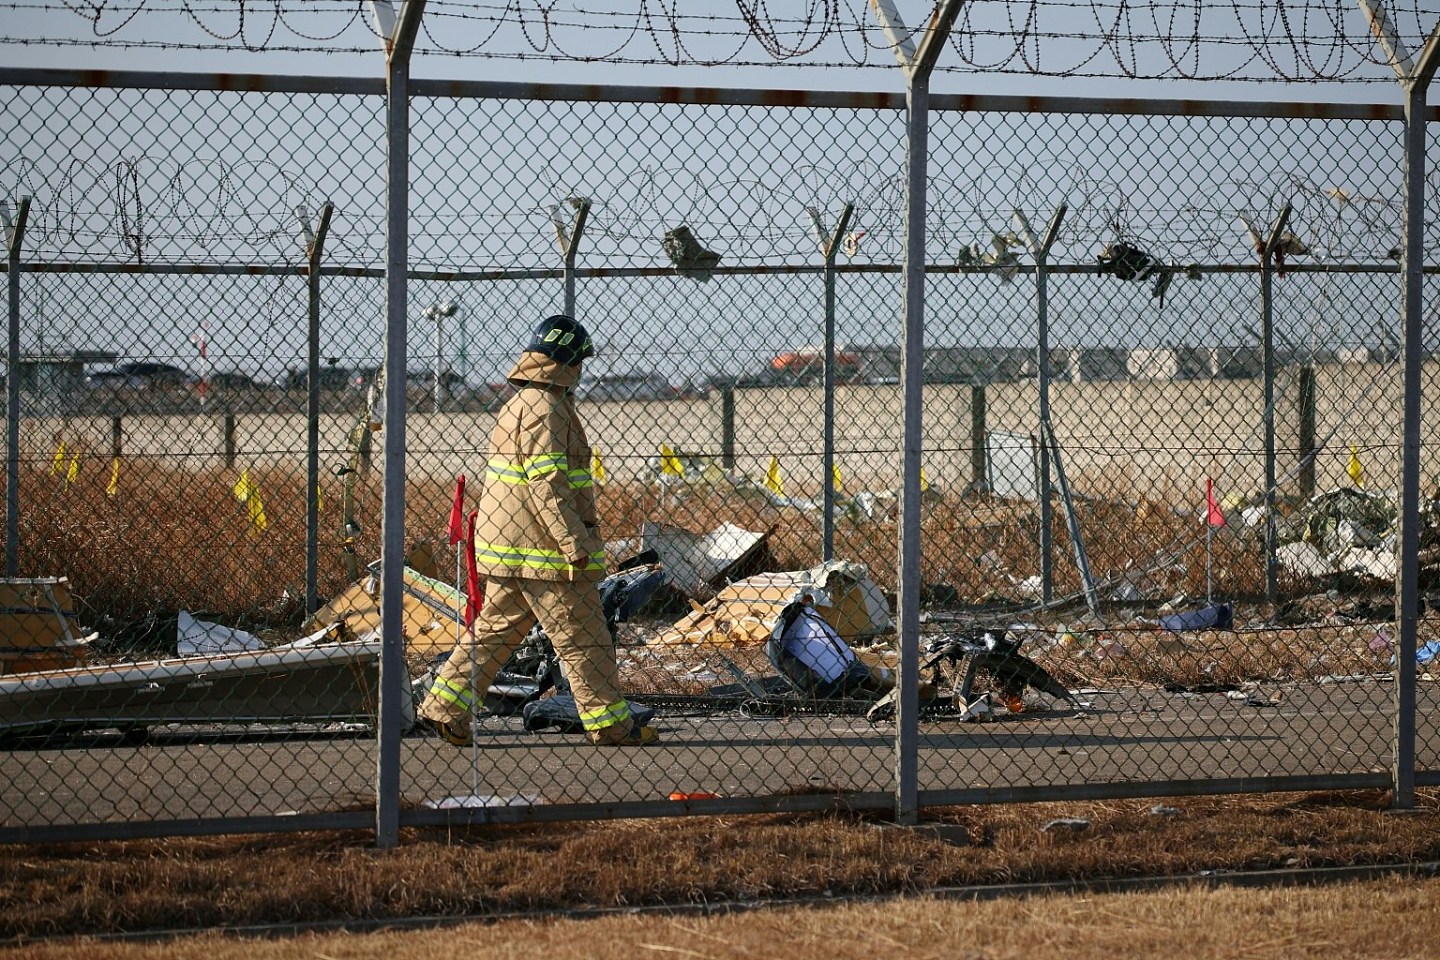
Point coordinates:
[[562, 339]]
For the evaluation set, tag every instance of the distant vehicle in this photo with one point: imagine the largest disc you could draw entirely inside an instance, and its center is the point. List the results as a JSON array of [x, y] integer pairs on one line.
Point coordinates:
[[112, 380], [139, 374], [636, 386], [492, 396], [235, 381], [331, 378], [807, 366], [156, 372]]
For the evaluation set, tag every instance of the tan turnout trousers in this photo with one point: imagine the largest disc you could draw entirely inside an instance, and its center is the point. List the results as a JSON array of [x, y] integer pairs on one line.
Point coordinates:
[[571, 615]]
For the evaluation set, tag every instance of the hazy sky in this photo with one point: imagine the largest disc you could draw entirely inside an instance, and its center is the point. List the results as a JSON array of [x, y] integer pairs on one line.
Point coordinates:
[[218, 177]]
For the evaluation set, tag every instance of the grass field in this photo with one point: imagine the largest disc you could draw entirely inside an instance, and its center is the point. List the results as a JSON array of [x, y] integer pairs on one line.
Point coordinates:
[[165, 539], [1392, 918], [178, 883]]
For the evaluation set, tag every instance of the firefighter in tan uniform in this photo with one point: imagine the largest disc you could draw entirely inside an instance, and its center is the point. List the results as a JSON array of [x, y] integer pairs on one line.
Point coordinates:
[[538, 546]]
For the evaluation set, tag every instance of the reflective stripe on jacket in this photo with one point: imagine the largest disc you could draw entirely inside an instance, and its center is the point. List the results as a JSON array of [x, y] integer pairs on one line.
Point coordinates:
[[537, 509]]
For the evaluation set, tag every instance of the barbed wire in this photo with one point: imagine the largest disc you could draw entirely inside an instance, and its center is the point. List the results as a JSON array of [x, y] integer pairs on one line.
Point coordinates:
[[145, 209], [1251, 40]]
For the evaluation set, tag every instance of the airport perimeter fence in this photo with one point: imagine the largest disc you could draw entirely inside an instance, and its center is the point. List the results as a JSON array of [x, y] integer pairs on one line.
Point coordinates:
[[1129, 414]]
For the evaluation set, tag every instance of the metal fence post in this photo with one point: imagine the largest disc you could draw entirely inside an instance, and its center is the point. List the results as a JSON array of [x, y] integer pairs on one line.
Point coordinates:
[[1266, 248], [912, 360], [1407, 580], [918, 64], [314, 250], [227, 441], [1040, 249], [1306, 439], [16, 237], [979, 462], [829, 245], [727, 426], [400, 41], [1415, 76], [568, 236]]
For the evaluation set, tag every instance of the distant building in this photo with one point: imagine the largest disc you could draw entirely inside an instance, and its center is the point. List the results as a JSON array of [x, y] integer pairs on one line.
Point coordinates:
[[54, 383], [1366, 355], [1195, 363], [1087, 364], [948, 364]]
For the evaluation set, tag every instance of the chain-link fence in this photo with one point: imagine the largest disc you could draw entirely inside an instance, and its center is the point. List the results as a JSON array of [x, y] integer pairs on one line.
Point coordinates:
[[1159, 473]]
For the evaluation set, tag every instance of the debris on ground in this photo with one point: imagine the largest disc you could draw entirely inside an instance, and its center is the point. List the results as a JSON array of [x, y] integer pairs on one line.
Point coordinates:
[[744, 613], [1216, 616], [699, 564], [428, 618], [38, 626], [1067, 824], [806, 650], [201, 637], [325, 677], [1345, 531], [978, 711]]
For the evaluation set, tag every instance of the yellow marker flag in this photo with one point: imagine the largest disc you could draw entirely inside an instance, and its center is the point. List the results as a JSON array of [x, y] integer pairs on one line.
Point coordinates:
[[73, 470], [319, 498], [1356, 471], [836, 483], [773, 483], [59, 460], [597, 468], [670, 464], [249, 494], [924, 484], [113, 487]]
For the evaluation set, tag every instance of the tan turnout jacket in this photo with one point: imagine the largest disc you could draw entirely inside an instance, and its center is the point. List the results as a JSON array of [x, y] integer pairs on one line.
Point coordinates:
[[537, 515]]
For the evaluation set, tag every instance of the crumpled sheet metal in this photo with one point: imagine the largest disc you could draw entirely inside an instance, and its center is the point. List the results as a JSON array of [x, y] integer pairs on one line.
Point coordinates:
[[1346, 530], [744, 613]]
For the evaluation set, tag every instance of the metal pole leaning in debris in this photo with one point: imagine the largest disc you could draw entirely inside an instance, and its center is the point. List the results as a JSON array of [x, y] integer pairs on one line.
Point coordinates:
[[1040, 250], [1415, 77], [917, 64], [314, 250], [568, 236], [829, 245], [400, 40], [14, 236], [1266, 248], [1072, 522]]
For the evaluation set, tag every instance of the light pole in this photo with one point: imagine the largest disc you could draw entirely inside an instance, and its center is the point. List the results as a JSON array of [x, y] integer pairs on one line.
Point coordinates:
[[438, 312]]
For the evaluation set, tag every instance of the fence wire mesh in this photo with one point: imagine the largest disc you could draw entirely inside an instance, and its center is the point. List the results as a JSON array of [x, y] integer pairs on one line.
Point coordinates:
[[192, 631]]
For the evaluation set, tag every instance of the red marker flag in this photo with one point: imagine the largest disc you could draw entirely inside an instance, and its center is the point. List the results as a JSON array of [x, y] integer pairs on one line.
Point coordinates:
[[1213, 515], [473, 600], [457, 512]]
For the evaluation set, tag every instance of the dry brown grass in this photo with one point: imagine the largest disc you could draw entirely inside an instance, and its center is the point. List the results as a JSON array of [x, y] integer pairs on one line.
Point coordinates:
[[199, 883], [1223, 657], [172, 538], [1394, 919]]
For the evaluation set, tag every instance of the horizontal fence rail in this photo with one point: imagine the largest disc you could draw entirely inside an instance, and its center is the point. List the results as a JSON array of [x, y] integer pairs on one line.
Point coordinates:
[[1121, 399]]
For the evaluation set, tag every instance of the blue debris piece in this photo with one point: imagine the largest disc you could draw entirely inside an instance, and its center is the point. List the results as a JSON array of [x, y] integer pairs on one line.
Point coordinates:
[[1217, 616]]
